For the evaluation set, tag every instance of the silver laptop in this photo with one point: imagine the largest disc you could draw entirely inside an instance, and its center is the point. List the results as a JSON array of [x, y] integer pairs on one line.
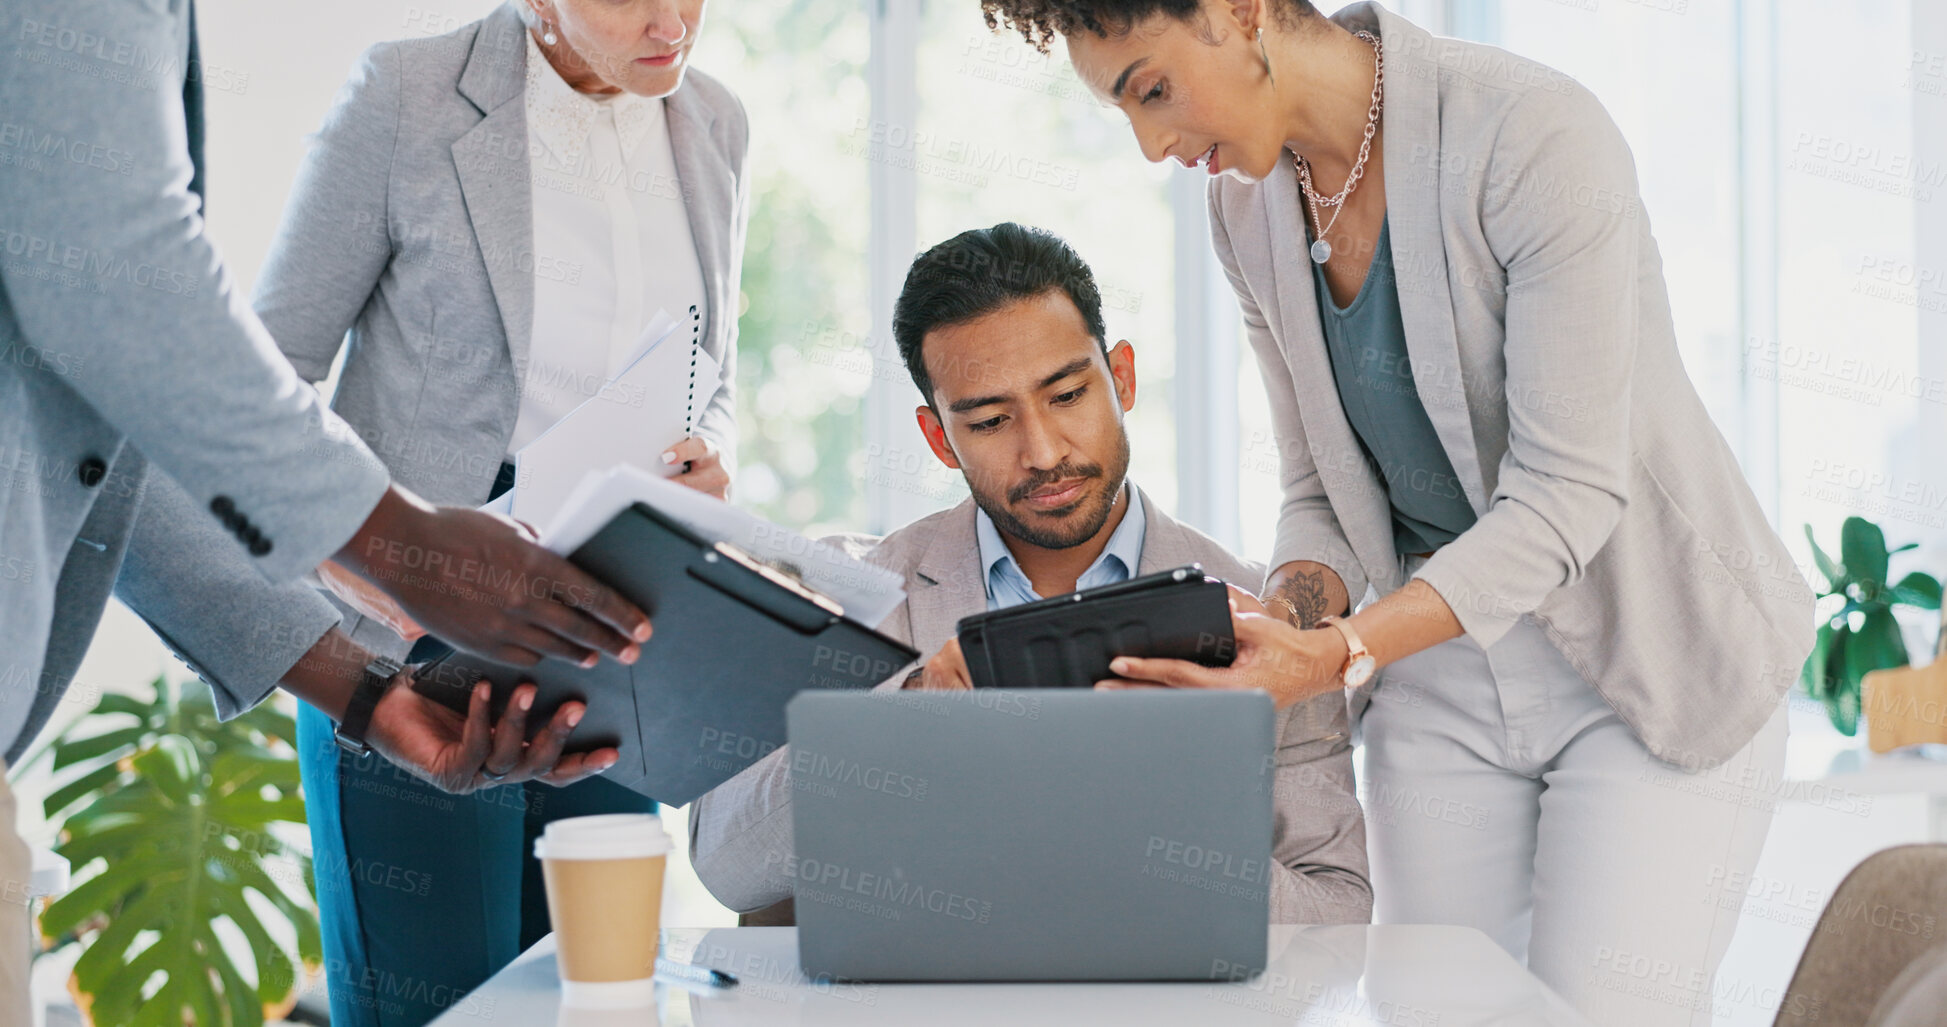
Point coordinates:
[[1065, 835]]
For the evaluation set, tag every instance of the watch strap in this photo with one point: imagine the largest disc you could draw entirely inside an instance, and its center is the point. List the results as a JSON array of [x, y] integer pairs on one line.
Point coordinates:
[[1354, 648], [357, 720]]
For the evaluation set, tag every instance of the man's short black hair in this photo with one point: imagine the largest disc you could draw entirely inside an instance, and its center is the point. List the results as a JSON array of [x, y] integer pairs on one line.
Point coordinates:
[[980, 271]]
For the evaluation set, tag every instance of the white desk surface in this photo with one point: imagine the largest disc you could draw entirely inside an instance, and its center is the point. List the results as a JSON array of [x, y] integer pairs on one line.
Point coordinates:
[[1920, 769], [1397, 976]]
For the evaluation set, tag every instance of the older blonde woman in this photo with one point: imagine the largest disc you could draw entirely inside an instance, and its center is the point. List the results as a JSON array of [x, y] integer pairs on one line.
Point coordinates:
[[486, 223]]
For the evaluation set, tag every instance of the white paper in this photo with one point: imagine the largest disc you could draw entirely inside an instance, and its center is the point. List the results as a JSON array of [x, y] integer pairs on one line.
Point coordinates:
[[641, 412], [653, 333], [868, 593], [502, 504]]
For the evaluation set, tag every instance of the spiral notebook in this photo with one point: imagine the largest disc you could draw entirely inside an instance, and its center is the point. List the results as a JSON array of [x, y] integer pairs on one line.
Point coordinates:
[[651, 402]]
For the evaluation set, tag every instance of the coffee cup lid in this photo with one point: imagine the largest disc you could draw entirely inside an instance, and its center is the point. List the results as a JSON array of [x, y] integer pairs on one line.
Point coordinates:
[[607, 836]]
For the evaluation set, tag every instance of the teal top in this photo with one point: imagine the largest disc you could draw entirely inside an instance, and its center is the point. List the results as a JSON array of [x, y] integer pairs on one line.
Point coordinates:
[[1367, 345]]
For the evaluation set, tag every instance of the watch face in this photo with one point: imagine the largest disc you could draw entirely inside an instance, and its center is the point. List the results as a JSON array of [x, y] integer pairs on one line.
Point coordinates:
[[1359, 671]]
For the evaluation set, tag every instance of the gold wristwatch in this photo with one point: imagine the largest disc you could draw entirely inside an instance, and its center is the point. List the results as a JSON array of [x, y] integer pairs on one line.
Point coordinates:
[[1359, 663]]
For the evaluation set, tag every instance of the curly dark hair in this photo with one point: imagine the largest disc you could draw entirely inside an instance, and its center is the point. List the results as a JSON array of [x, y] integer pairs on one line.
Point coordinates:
[[1040, 21]]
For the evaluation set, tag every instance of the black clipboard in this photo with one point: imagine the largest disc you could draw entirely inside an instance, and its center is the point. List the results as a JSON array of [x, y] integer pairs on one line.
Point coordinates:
[[1068, 641], [734, 641]]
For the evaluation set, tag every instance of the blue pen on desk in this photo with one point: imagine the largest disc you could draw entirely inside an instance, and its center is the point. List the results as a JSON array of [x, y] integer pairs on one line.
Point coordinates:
[[690, 973]]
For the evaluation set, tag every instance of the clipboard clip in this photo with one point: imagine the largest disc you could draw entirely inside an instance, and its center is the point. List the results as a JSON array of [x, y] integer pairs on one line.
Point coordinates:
[[775, 577]]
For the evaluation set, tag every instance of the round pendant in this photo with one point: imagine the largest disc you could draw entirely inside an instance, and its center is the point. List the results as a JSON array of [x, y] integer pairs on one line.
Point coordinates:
[[1321, 252]]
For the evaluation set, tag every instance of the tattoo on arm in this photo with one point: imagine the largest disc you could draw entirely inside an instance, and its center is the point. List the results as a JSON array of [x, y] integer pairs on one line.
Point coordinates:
[[1305, 591]]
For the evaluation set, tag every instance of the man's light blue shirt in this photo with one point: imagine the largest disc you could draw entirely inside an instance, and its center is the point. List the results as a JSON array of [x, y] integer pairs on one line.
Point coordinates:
[[1008, 586]]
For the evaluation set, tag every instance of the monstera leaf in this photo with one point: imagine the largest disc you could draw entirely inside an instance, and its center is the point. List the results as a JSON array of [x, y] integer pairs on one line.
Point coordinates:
[[1857, 633], [171, 834]]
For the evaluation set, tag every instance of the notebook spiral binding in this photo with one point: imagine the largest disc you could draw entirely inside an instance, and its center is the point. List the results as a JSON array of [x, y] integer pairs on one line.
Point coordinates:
[[696, 344]]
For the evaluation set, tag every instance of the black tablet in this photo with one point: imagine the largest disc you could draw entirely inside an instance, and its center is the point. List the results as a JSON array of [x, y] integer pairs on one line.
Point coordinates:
[[1068, 641]]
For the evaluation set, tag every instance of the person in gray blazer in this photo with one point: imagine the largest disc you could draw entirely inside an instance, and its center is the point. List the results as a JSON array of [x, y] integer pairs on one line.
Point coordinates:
[[1585, 622], [1002, 331], [126, 362], [485, 224]]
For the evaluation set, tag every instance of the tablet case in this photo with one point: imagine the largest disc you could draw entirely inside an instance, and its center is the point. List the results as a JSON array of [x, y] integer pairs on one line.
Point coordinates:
[[1068, 641], [734, 640]]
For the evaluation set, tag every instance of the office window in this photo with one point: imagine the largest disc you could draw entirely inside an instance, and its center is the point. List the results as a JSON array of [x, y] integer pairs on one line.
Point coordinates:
[[1667, 73], [799, 67], [1851, 400]]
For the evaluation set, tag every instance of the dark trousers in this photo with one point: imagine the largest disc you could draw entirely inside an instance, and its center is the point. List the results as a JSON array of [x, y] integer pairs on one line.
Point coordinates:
[[424, 895]]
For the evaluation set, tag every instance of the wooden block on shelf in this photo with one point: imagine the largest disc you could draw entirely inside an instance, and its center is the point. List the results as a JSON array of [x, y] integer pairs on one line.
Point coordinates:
[[1905, 706]]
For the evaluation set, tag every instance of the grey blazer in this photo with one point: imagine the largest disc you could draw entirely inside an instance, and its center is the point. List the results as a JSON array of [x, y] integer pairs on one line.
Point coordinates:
[[740, 833], [119, 331], [1611, 512], [409, 234]]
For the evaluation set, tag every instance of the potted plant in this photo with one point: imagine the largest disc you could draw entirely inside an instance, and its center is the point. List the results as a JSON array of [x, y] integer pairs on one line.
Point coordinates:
[[1857, 632], [170, 826]]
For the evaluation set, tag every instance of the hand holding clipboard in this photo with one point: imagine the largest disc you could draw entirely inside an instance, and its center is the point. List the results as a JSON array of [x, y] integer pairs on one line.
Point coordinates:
[[735, 636]]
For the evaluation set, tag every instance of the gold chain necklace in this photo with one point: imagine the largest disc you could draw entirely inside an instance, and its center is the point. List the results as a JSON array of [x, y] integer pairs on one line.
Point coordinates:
[[1321, 250]]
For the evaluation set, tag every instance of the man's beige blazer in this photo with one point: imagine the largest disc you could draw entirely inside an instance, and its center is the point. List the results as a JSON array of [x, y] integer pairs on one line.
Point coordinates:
[[740, 833]]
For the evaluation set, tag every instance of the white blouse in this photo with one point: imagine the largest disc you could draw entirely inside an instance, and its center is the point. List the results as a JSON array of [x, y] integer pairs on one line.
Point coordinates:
[[612, 241]]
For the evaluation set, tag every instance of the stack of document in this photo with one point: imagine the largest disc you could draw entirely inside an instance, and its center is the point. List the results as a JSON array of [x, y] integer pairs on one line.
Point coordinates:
[[647, 406]]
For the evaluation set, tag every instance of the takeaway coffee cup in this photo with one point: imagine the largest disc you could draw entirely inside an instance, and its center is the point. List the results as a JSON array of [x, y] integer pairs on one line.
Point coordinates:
[[605, 884]]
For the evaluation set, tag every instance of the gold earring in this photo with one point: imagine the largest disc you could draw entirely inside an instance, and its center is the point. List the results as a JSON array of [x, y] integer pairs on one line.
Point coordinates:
[[1266, 57]]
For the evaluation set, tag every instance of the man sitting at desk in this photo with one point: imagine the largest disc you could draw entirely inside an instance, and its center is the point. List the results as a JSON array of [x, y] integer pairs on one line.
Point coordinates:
[[1002, 331]]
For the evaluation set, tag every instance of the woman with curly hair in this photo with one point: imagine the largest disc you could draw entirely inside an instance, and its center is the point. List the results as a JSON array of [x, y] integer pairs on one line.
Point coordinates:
[[1574, 625]]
